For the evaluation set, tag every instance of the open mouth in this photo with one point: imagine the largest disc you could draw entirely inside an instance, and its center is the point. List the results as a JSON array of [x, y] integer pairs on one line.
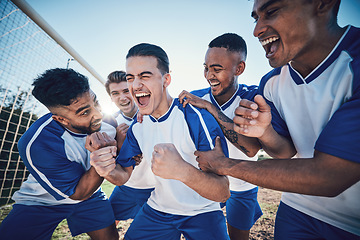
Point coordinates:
[[214, 83], [143, 99], [270, 45], [96, 124], [125, 104]]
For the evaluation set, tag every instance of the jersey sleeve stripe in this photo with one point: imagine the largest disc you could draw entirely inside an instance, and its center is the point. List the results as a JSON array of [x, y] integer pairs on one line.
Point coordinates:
[[61, 195], [204, 126]]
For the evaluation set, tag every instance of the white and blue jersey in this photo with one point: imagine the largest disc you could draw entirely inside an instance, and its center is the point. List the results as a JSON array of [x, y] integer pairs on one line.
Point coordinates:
[[228, 108], [56, 159], [142, 177], [322, 112], [121, 118], [189, 129]]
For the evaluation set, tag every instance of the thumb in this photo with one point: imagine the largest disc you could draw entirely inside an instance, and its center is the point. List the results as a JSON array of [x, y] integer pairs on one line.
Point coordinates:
[[217, 144], [263, 106]]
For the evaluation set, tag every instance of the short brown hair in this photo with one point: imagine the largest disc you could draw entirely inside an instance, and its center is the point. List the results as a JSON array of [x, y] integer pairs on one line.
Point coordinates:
[[115, 77]]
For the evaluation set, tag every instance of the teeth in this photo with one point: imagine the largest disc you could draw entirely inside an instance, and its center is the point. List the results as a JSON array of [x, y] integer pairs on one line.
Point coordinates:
[[98, 123], [214, 84], [269, 40], [141, 94]]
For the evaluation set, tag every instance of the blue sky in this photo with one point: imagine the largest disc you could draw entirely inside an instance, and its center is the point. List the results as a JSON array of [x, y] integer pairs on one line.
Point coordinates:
[[103, 31]]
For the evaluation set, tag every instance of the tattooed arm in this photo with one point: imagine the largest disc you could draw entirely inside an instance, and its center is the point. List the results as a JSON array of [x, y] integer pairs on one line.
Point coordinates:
[[249, 146]]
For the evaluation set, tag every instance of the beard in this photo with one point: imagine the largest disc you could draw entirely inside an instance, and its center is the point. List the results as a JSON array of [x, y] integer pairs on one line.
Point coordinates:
[[87, 129]]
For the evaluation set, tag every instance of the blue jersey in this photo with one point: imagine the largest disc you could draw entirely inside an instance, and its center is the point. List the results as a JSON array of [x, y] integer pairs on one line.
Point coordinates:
[[189, 129], [56, 159], [228, 108], [321, 112]]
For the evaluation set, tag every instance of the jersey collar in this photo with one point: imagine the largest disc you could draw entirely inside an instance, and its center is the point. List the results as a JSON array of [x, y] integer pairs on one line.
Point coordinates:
[[334, 54], [167, 114], [228, 103]]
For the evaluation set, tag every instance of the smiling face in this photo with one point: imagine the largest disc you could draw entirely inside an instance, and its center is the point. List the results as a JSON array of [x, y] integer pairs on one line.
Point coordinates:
[[147, 85], [221, 69], [287, 29], [83, 115], [120, 95]]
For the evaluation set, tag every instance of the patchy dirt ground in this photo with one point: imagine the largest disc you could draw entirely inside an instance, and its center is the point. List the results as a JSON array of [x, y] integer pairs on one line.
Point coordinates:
[[262, 230]]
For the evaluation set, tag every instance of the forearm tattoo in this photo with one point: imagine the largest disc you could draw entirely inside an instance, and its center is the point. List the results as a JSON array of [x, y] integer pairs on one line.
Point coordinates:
[[230, 134]]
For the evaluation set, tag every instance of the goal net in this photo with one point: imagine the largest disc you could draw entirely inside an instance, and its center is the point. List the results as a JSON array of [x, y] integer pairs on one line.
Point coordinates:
[[26, 51]]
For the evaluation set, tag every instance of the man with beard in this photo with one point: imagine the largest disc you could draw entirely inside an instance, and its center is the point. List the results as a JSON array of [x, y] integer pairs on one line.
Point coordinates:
[[309, 108], [62, 184], [224, 63]]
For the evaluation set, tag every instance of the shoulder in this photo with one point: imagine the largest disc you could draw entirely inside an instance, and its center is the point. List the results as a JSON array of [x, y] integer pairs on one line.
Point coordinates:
[[351, 45], [109, 119], [201, 92], [264, 80], [45, 130], [247, 92], [193, 114]]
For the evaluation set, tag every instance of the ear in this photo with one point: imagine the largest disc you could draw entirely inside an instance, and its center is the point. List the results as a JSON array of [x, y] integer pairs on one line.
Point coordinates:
[[325, 6], [60, 119], [240, 68], [167, 80]]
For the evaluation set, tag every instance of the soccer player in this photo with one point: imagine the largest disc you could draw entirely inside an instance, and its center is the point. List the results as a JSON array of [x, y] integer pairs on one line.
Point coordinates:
[[127, 199], [185, 199], [62, 184], [224, 63], [309, 106]]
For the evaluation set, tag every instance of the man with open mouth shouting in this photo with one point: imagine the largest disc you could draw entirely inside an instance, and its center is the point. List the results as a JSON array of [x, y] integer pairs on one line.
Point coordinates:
[[185, 199], [309, 108]]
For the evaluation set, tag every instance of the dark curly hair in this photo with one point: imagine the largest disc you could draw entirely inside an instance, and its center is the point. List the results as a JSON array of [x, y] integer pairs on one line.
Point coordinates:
[[59, 87]]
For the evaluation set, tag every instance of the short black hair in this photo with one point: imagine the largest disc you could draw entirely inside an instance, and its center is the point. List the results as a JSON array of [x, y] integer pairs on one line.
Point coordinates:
[[115, 77], [59, 87], [231, 41], [151, 50]]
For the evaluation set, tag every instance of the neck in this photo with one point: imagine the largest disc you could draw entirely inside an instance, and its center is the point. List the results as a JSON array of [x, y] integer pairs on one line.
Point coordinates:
[[318, 52], [131, 114], [227, 94], [163, 107]]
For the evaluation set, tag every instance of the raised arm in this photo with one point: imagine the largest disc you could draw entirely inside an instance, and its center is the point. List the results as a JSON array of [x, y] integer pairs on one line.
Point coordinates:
[[253, 119], [322, 175], [167, 163], [250, 146], [103, 160], [90, 181]]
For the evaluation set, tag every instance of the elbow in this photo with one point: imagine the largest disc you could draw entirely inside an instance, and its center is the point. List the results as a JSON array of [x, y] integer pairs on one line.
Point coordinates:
[[225, 193], [332, 192], [252, 153], [226, 196], [80, 197]]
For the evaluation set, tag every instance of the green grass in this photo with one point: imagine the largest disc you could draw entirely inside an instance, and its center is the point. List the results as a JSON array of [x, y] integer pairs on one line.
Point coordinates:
[[107, 188], [62, 231]]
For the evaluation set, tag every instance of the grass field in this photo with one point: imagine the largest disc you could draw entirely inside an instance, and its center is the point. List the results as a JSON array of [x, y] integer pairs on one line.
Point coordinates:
[[262, 230]]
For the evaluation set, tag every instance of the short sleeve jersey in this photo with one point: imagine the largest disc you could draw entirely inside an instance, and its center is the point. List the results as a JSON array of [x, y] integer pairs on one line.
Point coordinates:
[[228, 108], [189, 129], [321, 112], [142, 177], [56, 159]]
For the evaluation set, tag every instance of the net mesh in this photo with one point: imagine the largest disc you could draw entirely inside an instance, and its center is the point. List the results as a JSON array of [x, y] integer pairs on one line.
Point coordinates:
[[25, 52]]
